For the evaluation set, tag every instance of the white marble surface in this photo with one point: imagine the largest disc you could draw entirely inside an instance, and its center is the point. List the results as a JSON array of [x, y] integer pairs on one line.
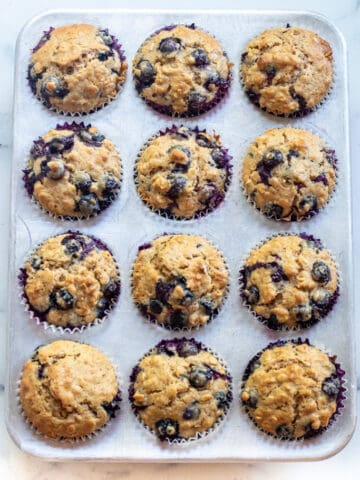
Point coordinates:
[[16, 465]]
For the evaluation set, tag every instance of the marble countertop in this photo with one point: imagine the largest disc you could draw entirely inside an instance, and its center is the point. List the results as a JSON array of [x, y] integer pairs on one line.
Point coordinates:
[[16, 465]]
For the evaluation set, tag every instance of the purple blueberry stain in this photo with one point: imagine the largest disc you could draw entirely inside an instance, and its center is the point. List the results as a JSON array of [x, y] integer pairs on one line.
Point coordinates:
[[264, 167], [45, 38], [112, 407], [321, 178], [270, 72], [163, 290]]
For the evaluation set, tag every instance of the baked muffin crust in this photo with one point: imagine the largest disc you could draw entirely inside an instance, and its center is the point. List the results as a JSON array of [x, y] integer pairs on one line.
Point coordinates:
[[180, 390], [181, 71], [289, 173], [291, 390], [77, 68], [71, 280], [68, 390], [183, 173], [179, 281], [287, 71], [73, 171], [289, 282]]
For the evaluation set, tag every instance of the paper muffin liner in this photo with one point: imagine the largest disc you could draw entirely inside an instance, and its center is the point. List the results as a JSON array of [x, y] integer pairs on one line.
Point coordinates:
[[302, 325], [330, 156], [340, 398], [39, 145], [40, 318], [221, 92], [32, 83], [303, 112], [169, 346], [152, 318], [113, 408], [217, 198]]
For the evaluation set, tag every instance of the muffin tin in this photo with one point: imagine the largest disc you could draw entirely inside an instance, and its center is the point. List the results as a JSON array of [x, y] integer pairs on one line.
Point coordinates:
[[234, 226]]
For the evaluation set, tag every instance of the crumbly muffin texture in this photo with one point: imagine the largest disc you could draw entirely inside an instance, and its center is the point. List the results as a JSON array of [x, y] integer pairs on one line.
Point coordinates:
[[183, 173], [290, 281], [71, 280], [289, 173], [73, 171], [179, 281], [179, 390], [68, 390], [290, 391], [181, 71], [77, 68], [287, 71]]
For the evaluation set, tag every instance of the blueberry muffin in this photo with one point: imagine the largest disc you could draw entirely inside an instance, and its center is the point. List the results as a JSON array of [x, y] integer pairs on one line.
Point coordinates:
[[289, 173], [183, 173], [287, 71], [289, 282], [181, 71], [70, 280], [77, 68], [179, 281], [73, 171], [68, 390], [179, 390], [292, 390]]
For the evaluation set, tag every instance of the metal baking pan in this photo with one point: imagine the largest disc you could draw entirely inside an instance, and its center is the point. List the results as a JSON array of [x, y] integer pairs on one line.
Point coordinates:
[[235, 227]]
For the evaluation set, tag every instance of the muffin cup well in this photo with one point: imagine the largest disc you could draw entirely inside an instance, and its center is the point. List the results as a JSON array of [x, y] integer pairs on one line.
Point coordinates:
[[32, 83], [219, 197], [340, 398], [152, 318], [304, 325], [39, 144], [168, 345], [40, 318], [219, 96], [113, 411], [332, 158]]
